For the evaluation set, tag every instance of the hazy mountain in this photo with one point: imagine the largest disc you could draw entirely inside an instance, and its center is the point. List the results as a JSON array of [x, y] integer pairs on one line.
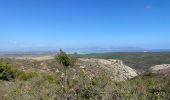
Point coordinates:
[[102, 50], [52, 50]]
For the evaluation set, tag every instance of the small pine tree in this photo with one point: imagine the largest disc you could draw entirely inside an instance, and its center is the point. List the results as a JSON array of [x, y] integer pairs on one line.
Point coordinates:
[[66, 61]]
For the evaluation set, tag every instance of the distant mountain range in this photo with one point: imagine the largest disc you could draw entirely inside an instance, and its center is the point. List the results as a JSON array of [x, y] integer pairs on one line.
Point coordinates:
[[82, 50], [118, 49], [102, 50]]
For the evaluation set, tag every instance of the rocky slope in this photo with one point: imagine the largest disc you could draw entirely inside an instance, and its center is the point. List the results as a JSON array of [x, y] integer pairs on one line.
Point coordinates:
[[118, 71], [160, 69], [92, 67]]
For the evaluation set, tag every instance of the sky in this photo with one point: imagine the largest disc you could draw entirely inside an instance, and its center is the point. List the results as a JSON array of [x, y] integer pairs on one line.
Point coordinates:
[[84, 23]]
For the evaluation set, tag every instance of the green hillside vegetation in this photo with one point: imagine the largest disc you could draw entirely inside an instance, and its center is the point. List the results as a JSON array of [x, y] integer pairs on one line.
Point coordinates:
[[73, 83], [136, 60], [7, 73]]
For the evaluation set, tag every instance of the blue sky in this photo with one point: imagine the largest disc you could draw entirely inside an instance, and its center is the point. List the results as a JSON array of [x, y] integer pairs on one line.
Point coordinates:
[[84, 23]]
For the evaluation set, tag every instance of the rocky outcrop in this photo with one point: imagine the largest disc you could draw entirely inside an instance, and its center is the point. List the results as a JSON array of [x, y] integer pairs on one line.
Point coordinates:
[[160, 69], [119, 71]]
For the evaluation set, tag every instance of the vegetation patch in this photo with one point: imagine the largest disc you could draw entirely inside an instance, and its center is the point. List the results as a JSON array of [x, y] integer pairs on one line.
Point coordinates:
[[70, 82], [7, 72]]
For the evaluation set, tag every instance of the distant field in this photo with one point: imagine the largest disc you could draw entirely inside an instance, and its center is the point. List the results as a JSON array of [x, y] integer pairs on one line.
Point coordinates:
[[137, 60], [33, 56], [38, 58]]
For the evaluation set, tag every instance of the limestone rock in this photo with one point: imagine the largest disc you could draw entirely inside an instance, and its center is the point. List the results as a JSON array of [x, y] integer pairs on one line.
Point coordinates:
[[119, 71], [160, 69]]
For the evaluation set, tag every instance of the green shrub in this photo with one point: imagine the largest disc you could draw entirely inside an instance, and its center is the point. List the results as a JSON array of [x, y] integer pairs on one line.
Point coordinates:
[[65, 59], [6, 72]]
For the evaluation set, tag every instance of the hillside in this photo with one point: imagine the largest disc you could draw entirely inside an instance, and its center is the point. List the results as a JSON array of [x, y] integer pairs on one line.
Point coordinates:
[[115, 68], [140, 61], [88, 79]]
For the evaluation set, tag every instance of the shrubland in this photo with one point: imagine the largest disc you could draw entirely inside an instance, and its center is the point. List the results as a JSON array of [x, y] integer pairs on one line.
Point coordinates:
[[70, 82], [7, 73]]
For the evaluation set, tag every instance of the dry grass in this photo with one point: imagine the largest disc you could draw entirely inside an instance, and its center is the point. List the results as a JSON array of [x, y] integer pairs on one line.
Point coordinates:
[[38, 58]]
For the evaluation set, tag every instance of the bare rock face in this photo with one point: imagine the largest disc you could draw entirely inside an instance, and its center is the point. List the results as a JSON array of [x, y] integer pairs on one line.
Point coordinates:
[[160, 69], [119, 71]]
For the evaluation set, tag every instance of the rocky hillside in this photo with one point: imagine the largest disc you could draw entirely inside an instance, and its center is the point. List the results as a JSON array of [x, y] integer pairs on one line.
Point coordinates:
[[160, 69], [118, 71], [89, 79], [93, 67]]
